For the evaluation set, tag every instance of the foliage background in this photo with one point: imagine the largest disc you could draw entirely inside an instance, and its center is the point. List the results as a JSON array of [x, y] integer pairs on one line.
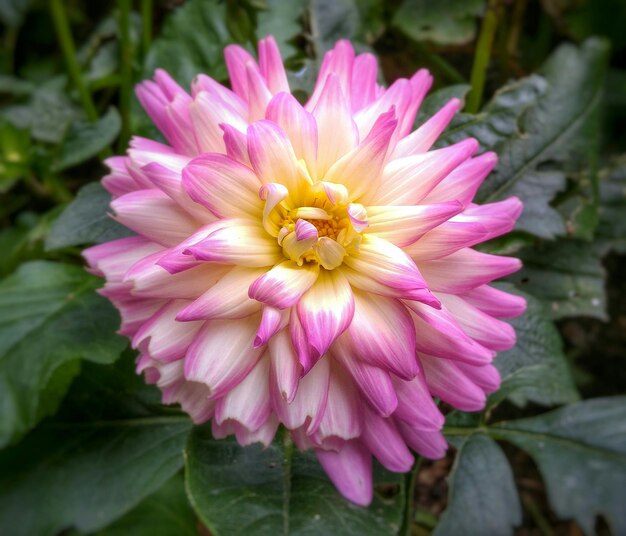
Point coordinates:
[[87, 447]]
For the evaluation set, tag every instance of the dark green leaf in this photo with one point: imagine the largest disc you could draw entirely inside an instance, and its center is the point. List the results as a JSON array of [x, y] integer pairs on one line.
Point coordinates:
[[332, 20], [86, 475], [448, 22], [192, 41], [47, 114], [12, 12], [164, 513], [86, 139], [281, 19], [272, 491], [535, 369], [482, 497], [612, 227], [435, 100], [49, 316], [86, 220], [541, 131], [567, 276], [581, 453]]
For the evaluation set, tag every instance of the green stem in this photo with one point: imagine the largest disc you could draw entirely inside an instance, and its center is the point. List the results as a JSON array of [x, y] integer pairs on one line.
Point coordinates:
[[146, 25], [542, 523], [59, 16], [482, 57], [126, 70], [410, 496]]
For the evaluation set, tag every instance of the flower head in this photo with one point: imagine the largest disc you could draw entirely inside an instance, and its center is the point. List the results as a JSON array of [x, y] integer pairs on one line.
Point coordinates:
[[309, 265]]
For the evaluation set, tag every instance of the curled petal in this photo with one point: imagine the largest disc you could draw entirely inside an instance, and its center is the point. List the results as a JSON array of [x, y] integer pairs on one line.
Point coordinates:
[[326, 310], [222, 354], [243, 244], [226, 187], [350, 470], [284, 284], [227, 298]]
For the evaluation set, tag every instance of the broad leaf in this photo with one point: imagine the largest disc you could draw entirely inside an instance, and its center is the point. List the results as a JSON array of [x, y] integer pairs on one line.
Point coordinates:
[[567, 276], [271, 491], [482, 497], [612, 227], [332, 20], [164, 513], [448, 22], [281, 20], [535, 369], [192, 41], [105, 453], [86, 221], [581, 453], [49, 317], [86, 139], [541, 128]]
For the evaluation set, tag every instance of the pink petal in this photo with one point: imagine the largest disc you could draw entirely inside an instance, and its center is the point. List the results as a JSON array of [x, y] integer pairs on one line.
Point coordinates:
[[360, 169], [258, 94], [408, 180], [463, 182], [284, 284], [221, 355], [337, 133], [249, 402], [431, 445], [162, 337], [386, 263], [271, 65], [285, 368], [236, 60], [495, 302], [374, 383], [326, 310], [224, 186], [465, 270], [483, 328], [403, 225], [227, 298], [364, 78], [416, 406], [382, 334], [350, 470], [384, 441], [422, 139], [308, 405], [153, 214], [244, 243], [300, 126], [272, 321], [448, 382]]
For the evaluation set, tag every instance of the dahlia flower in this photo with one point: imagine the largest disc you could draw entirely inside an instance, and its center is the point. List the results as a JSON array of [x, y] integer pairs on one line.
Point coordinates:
[[309, 265]]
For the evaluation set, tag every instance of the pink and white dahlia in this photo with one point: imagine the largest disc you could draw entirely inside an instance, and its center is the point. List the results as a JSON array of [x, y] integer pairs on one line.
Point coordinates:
[[309, 266]]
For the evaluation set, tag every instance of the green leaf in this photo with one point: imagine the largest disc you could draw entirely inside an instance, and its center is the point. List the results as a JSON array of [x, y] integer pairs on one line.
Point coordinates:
[[281, 19], [86, 221], [541, 128], [164, 513], [49, 316], [437, 99], [86, 139], [47, 114], [275, 490], [482, 497], [567, 275], [192, 41], [447, 22], [535, 369], [581, 453], [86, 474], [332, 20], [612, 226]]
